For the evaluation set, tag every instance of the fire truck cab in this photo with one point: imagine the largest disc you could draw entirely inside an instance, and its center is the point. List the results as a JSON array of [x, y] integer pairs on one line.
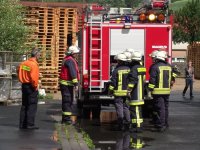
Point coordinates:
[[107, 32]]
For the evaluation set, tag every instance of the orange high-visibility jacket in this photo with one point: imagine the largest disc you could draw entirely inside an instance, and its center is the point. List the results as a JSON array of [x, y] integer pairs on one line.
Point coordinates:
[[28, 72]]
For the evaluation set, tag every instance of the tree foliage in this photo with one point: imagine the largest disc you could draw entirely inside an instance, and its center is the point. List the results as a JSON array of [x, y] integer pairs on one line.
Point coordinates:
[[111, 3], [187, 23], [13, 31], [120, 3]]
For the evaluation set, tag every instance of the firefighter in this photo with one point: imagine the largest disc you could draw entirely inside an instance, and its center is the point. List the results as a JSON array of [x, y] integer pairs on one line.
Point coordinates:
[[128, 57], [161, 76], [130, 50], [118, 88], [69, 79], [135, 93], [28, 74]]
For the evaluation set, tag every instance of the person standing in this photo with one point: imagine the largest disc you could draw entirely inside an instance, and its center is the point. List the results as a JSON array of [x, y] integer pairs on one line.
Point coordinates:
[[136, 79], [189, 79], [118, 88], [69, 79], [28, 74], [161, 76]]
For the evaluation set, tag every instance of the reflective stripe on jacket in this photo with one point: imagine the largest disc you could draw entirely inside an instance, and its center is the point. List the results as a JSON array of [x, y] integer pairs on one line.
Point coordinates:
[[160, 78], [136, 80], [28, 72], [69, 74], [119, 80]]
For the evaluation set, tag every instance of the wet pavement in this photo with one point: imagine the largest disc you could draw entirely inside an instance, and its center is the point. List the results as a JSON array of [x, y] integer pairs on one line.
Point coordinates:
[[183, 133], [11, 138]]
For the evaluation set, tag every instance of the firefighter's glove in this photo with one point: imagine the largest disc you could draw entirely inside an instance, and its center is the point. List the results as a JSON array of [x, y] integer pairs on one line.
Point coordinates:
[[172, 83], [129, 92], [76, 88]]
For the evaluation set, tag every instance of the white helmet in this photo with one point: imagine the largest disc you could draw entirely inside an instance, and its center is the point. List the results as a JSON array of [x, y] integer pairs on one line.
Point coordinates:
[[161, 55], [153, 54], [166, 55], [136, 56], [120, 56], [73, 50], [128, 56], [129, 50]]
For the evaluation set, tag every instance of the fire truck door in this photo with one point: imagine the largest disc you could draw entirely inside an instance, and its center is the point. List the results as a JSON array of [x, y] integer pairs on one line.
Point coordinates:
[[121, 39]]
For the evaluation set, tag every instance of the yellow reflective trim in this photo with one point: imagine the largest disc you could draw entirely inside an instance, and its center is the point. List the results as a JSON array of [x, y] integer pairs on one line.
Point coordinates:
[[137, 120], [136, 143], [151, 86], [174, 75], [161, 91], [140, 87], [120, 93], [135, 103], [27, 68], [67, 113], [111, 87], [75, 80], [131, 85], [141, 69], [162, 69], [120, 75], [137, 116], [64, 82]]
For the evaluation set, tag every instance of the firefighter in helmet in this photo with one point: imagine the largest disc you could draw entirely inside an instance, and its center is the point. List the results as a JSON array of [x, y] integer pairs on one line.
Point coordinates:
[[161, 76], [118, 88], [69, 78], [130, 50], [135, 92]]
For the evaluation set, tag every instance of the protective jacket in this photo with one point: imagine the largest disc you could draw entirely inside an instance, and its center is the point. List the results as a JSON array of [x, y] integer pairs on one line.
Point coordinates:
[[136, 79], [28, 72], [161, 75], [119, 80], [69, 74]]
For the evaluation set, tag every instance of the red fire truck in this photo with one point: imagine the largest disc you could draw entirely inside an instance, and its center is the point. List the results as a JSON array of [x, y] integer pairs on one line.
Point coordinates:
[[109, 32]]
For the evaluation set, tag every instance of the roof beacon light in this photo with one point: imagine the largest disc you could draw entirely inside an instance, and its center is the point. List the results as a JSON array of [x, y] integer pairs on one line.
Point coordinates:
[[158, 4], [152, 17], [127, 19], [161, 17], [142, 17]]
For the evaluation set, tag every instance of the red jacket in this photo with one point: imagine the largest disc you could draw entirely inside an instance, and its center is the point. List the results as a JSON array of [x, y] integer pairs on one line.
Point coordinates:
[[69, 74]]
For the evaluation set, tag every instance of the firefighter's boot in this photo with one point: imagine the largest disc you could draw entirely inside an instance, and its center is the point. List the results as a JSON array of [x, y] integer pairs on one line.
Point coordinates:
[[66, 120]]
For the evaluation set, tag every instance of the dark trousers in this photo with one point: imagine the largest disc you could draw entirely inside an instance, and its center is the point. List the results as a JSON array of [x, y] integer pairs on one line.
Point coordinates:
[[122, 109], [161, 104], [188, 83], [136, 116], [29, 106], [67, 99]]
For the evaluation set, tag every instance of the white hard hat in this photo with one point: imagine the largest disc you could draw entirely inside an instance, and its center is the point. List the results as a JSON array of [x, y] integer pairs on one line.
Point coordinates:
[[136, 55], [166, 54], [153, 54], [73, 50], [130, 50], [161, 55], [121, 56], [128, 55]]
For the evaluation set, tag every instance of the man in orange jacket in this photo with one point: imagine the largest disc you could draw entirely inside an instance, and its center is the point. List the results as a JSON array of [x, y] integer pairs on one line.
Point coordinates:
[[28, 74]]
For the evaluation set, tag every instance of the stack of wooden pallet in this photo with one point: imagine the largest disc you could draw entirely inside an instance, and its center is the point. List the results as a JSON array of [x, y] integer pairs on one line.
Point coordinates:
[[52, 27], [193, 55]]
